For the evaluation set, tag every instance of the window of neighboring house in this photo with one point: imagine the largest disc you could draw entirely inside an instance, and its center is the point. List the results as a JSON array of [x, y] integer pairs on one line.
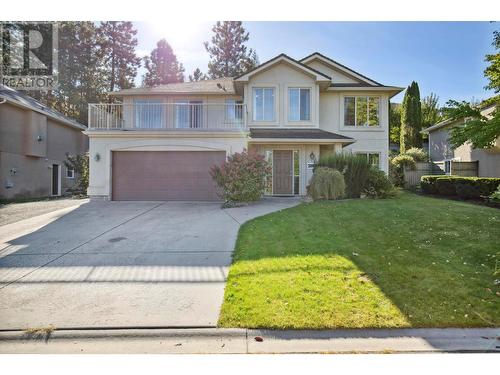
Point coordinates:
[[361, 111], [149, 114], [234, 110], [189, 114], [299, 104], [263, 104], [373, 158], [70, 173]]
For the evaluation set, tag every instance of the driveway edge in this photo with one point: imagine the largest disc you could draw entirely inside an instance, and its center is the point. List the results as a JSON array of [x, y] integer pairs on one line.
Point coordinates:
[[242, 341]]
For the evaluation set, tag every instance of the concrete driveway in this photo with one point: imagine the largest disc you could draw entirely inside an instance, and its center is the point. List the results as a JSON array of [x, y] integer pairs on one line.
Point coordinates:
[[120, 264]]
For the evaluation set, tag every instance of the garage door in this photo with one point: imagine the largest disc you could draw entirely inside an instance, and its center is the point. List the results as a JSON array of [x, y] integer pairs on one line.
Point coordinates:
[[165, 175]]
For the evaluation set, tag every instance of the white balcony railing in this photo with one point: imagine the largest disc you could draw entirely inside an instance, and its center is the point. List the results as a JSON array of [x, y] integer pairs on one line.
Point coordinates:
[[179, 116]]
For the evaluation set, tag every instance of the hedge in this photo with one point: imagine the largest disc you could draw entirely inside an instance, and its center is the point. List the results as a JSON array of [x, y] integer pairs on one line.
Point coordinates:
[[463, 187]]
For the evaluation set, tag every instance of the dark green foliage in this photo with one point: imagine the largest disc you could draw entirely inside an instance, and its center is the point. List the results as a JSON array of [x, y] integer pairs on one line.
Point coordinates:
[[431, 113], [480, 131], [355, 169], [326, 183], [378, 185], [445, 186], [492, 72], [394, 122], [229, 57], [463, 187], [162, 66], [80, 164], [117, 43], [198, 75], [411, 118]]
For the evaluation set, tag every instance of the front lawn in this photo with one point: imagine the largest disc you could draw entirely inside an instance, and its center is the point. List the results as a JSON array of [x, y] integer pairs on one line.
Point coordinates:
[[411, 261]]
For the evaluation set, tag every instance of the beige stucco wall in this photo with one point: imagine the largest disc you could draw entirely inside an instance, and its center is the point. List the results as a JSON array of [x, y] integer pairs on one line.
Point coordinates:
[[372, 139], [26, 162], [103, 144], [336, 75], [281, 77]]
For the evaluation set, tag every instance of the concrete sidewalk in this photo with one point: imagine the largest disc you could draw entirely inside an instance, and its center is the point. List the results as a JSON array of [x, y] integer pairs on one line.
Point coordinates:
[[243, 341]]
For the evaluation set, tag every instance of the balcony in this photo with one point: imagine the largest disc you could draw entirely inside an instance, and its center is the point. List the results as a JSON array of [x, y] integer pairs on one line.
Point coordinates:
[[168, 116]]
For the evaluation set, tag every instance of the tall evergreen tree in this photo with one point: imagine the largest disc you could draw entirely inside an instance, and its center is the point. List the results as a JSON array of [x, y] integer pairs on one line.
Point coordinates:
[[198, 75], [162, 66], [430, 110], [411, 119], [394, 123], [117, 44], [229, 56]]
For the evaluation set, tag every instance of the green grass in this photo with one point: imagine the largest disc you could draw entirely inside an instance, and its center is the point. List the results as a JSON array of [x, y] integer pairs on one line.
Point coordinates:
[[411, 261]]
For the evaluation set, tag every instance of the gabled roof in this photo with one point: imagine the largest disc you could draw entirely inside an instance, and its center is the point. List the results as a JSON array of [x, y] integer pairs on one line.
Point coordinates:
[[280, 58], [339, 66], [22, 100], [222, 86]]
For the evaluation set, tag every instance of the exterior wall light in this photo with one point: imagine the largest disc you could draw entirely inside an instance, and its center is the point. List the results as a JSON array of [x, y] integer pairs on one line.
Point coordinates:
[[97, 157], [39, 138], [312, 157]]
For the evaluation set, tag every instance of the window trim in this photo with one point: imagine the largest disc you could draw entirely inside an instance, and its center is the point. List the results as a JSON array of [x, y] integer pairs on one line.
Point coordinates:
[[254, 103], [72, 177], [289, 107], [360, 127]]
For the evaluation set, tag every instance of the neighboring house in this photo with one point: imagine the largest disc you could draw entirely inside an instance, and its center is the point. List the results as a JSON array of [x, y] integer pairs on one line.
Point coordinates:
[[441, 151], [34, 141], [159, 143]]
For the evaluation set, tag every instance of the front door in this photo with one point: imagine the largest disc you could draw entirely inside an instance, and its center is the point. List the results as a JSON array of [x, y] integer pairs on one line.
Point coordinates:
[[283, 172], [55, 179]]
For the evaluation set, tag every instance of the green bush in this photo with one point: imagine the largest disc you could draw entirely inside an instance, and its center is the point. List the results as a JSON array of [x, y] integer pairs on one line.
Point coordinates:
[[242, 178], [378, 185], [355, 169], [445, 186], [326, 183], [495, 196], [417, 154], [396, 168], [463, 187], [80, 164]]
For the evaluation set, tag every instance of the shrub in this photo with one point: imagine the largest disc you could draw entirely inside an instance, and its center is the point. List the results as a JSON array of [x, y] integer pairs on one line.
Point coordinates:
[[417, 154], [428, 184], [242, 178], [396, 168], [495, 196], [464, 187], [378, 185], [326, 183], [80, 164], [355, 169], [445, 186]]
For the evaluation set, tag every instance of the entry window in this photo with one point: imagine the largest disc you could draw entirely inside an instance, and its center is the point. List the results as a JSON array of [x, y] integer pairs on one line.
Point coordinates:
[[234, 110], [299, 104], [188, 114], [361, 111], [70, 173], [148, 114], [263, 104], [373, 158], [296, 172]]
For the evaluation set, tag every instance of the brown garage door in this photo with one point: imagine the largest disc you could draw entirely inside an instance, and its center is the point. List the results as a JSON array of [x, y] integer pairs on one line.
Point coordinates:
[[165, 175]]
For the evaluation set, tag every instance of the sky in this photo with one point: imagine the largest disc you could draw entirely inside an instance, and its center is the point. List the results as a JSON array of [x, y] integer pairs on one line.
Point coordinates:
[[445, 58]]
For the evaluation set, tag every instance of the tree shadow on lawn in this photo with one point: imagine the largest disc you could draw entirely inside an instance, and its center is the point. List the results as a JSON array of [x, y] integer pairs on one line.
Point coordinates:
[[407, 262]]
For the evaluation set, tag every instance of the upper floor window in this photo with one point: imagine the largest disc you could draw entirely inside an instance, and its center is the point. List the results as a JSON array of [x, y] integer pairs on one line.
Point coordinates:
[[263, 104], [234, 110], [361, 111], [299, 104], [148, 113], [189, 114]]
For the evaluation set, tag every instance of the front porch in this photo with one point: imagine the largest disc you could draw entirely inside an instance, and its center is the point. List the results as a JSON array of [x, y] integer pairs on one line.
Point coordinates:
[[293, 154]]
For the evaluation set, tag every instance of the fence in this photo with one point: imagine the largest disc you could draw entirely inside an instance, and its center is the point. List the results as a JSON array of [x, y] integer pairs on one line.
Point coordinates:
[[455, 168]]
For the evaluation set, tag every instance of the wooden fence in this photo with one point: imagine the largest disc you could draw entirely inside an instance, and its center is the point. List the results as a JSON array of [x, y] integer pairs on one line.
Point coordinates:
[[457, 168]]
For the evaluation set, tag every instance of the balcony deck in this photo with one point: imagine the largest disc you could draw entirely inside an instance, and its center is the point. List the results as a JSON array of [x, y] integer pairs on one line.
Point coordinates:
[[168, 116]]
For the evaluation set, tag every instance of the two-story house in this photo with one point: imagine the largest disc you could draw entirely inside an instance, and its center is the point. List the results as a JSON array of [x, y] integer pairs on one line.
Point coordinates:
[[159, 143]]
